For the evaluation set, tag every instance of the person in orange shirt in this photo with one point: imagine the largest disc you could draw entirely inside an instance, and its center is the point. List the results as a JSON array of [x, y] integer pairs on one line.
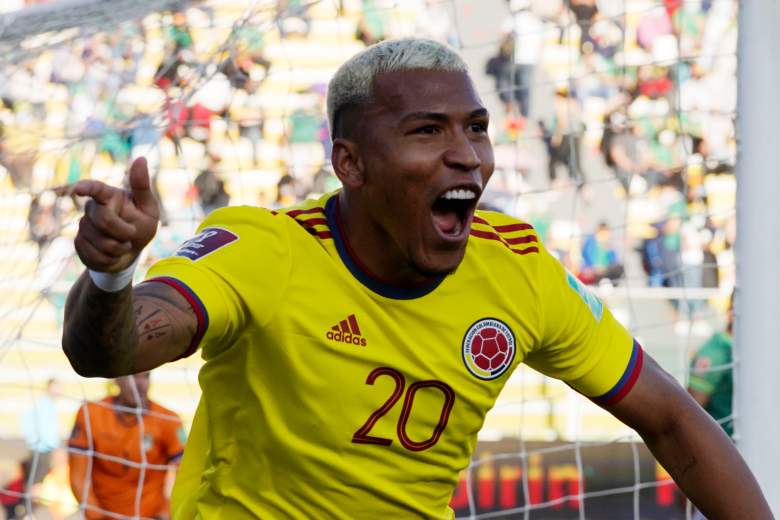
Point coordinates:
[[123, 452]]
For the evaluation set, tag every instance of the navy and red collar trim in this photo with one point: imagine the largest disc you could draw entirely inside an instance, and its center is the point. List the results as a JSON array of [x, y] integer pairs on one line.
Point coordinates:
[[360, 272]]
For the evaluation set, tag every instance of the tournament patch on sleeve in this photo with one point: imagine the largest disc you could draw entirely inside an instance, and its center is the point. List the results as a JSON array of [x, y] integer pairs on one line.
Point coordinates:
[[206, 242]]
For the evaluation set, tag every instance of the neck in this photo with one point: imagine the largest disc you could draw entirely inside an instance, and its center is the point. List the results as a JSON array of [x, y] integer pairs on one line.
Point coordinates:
[[372, 247], [129, 403]]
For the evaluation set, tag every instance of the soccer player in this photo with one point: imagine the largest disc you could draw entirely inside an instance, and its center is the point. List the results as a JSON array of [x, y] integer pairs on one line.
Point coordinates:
[[711, 381], [122, 453], [354, 344]]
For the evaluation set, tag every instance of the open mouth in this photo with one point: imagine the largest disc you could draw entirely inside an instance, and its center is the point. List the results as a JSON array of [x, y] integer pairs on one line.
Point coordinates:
[[452, 211]]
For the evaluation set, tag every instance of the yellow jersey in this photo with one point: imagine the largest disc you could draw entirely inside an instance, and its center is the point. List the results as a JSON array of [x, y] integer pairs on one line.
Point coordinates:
[[328, 393]]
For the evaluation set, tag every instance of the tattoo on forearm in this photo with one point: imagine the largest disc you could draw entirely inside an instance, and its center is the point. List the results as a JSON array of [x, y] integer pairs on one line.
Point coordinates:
[[156, 314], [153, 325], [116, 333]]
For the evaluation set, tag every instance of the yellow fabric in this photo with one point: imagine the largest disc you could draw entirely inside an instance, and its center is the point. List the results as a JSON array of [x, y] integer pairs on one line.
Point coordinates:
[[283, 400]]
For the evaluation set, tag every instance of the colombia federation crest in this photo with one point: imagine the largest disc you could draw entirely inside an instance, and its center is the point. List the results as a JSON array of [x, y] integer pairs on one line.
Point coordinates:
[[488, 348]]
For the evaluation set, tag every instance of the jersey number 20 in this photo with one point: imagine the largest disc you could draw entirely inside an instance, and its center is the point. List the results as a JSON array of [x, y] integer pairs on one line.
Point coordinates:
[[361, 436]]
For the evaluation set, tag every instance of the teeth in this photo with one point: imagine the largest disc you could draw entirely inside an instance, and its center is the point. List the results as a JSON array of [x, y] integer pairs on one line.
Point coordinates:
[[459, 195]]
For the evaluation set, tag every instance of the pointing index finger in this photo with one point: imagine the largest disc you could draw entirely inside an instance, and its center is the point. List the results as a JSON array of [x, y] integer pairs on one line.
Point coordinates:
[[101, 192]]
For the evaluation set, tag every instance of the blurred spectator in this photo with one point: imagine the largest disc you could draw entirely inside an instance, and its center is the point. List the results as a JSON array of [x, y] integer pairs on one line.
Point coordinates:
[[55, 490], [622, 149], [39, 427], [500, 67], [238, 69], [600, 258], [435, 20], [584, 12], [250, 40], [692, 259], [107, 465], [114, 134], [654, 81], [320, 111], [710, 381], [178, 34], [654, 24], [44, 220], [41, 434], [18, 163], [210, 187], [563, 137], [247, 111], [306, 122], [661, 257], [192, 121], [12, 496], [527, 29], [294, 18], [324, 181], [199, 123], [170, 71], [605, 36], [710, 278], [49, 211], [372, 25], [286, 192]]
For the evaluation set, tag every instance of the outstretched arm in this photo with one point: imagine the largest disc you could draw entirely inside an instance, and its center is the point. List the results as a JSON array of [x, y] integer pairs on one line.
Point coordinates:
[[691, 446], [109, 334]]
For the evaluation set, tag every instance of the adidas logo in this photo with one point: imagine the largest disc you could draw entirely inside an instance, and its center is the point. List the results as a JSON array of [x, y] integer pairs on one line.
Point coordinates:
[[347, 331]]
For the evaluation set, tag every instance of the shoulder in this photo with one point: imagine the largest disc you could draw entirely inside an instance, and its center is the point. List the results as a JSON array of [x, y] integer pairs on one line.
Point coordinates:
[[241, 217], [95, 409], [310, 216], [718, 341], [233, 223], [717, 348], [231, 226], [164, 415], [722, 343], [507, 235], [233, 231]]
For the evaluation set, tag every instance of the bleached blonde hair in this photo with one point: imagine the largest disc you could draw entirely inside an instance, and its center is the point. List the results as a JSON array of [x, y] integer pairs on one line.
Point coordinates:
[[353, 82]]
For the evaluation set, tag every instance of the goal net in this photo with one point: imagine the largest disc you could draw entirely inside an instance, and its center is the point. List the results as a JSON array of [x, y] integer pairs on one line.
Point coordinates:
[[613, 127]]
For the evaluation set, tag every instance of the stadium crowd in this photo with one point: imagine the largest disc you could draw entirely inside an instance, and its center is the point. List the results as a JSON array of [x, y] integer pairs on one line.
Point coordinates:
[[647, 94]]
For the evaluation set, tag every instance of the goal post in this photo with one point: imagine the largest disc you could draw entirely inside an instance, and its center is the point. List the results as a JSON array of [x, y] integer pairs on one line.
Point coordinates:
[[757, 386]]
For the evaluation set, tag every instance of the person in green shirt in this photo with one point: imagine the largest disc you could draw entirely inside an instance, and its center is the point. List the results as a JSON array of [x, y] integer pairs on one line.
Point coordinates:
[[711, 378]]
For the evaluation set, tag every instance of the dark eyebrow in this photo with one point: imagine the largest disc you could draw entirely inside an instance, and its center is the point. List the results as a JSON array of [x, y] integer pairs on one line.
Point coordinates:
[[480, 112], [438, 116]]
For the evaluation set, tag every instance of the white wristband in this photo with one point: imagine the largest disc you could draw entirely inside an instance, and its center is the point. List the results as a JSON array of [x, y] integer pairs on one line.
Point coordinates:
[[114, 282]]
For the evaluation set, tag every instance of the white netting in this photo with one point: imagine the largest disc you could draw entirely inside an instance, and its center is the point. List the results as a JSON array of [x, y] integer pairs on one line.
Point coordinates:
[[631, 101]]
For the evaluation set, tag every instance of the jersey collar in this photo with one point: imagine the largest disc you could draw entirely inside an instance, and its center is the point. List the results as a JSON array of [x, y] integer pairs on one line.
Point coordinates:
[[360, 272]]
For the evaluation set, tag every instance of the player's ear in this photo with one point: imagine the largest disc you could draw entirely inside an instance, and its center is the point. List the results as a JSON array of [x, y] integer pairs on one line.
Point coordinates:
[[347, 162]]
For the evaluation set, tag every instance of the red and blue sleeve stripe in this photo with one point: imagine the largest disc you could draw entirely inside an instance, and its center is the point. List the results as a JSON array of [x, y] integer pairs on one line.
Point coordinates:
[[627, 381], [197, 306]]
